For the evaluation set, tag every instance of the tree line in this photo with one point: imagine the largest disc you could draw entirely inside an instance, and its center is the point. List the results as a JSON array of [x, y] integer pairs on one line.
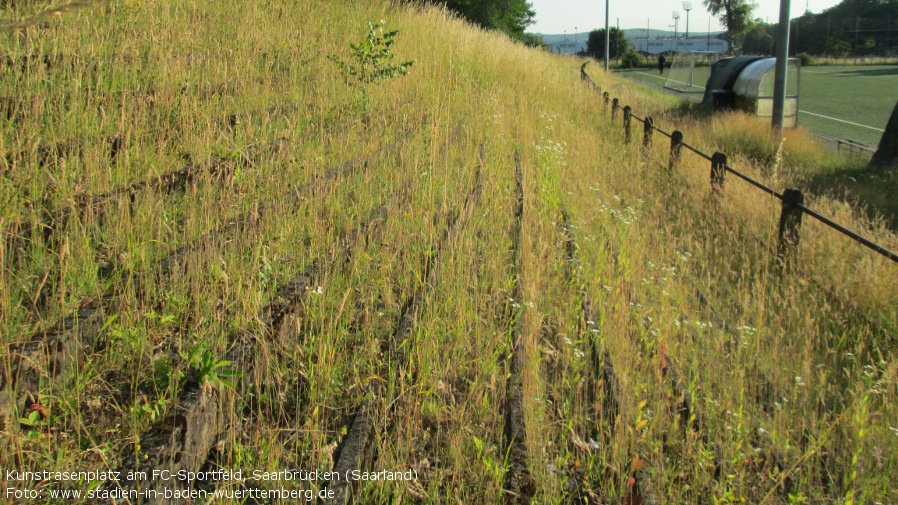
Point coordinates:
[[851, 28], [511, 17]]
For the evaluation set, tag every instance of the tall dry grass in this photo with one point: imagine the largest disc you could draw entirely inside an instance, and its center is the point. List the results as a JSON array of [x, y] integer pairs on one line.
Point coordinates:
[[798, 367]]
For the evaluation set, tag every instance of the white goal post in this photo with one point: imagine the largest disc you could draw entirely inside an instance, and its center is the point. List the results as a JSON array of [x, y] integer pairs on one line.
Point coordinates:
[[689, 71]]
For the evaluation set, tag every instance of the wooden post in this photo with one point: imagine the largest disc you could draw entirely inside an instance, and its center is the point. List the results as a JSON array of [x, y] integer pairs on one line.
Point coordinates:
[[628, 118], [614, 109], [790, 223], [676, 145], [648, 129], [718, 162], [115, 147], [605, 96]]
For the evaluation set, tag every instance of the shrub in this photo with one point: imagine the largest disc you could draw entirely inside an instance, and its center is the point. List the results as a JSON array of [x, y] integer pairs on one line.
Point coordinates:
[[632, 59], [372, 58]]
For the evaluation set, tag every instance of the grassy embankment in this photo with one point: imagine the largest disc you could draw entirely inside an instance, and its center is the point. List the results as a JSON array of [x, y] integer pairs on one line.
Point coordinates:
[[433, 305]]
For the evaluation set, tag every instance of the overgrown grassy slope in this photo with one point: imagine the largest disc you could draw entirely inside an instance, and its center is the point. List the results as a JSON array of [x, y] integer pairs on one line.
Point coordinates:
[[462, 271]]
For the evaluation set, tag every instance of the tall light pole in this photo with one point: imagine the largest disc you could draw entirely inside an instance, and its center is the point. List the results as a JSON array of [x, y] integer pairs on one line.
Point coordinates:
[[607, 35], [779, 76], [687, 6], [676, 18]]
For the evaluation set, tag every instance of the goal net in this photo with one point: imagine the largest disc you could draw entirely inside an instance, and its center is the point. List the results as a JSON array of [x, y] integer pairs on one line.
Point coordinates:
[[689, 71]]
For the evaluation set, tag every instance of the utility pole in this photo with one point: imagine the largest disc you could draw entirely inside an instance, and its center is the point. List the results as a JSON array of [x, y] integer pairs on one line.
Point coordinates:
[[648, 23], [607, 35], [782, 61], [709, 34], [687, 6]]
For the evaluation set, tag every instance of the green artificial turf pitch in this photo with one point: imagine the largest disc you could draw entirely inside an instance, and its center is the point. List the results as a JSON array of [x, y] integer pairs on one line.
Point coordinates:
[[845, 102]]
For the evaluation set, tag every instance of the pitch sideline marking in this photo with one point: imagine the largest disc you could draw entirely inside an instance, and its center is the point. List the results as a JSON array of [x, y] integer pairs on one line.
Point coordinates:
[[667, 79], [841, 120]]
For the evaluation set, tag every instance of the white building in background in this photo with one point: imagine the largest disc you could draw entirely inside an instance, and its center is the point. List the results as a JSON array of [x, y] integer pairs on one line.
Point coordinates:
[[680, 45], [567, 47]]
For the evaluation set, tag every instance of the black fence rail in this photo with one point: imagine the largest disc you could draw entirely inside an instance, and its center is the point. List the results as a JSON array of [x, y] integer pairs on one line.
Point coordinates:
[[850, 147], [793, 207]]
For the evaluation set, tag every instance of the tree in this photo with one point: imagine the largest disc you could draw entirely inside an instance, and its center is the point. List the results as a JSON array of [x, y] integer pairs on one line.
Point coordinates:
[[852, 27], [595, 45], [837, 47], [758, 41], [734, 14], [886, 157], [509, 16], [534, 40]]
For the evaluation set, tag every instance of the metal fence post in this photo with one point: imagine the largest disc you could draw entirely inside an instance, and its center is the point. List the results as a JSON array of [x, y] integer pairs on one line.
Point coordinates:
[[628, 119], [614, 104], [718, 162], [676, 145], [790, 223], [649, 128]]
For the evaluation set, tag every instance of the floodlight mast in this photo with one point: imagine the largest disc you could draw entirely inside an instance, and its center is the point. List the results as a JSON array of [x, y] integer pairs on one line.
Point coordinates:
[[687, 6], [676, 18]]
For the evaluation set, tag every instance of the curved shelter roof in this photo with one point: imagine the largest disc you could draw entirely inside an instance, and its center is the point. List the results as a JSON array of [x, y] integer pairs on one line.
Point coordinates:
[[756, 80], [746, 82], [724, 74]]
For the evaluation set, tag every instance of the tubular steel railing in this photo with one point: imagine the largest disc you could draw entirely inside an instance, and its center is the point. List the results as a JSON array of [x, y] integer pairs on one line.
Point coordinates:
[[792, 199]]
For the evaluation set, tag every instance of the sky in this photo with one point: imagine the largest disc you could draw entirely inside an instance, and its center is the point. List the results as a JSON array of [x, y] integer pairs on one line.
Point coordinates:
[[560, 16]]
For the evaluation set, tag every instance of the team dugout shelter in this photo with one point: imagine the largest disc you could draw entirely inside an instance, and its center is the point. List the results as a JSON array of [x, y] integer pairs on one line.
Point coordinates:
[[746, 83]]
